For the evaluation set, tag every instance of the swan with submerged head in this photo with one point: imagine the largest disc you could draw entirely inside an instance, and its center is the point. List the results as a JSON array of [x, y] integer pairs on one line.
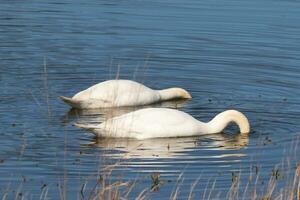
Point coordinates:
[[164, 122], [120, 93]]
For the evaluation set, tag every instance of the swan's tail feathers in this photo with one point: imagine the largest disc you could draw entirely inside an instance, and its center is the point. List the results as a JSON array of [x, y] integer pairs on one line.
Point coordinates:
[[90, 127], [73, 103]]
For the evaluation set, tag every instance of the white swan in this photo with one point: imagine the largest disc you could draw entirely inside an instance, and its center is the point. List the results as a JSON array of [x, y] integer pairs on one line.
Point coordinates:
[[164, 122], [119, 93]]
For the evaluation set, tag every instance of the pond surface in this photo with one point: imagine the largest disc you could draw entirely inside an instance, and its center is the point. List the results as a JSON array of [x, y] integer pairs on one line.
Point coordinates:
[[235, 54]]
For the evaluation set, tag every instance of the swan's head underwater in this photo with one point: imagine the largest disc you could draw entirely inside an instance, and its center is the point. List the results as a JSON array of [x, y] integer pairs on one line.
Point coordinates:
[[221, 121]]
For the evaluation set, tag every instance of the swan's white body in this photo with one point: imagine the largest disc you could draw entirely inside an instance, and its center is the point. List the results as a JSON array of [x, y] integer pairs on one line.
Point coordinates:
[[119, 93], [163, 122]]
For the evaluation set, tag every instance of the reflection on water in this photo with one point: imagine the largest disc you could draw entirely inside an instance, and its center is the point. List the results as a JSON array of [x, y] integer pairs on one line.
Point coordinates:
[[170, 147]]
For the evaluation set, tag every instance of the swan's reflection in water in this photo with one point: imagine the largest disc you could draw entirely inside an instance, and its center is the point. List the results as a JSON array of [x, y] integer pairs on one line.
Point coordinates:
[[171, 147], [101, 114]]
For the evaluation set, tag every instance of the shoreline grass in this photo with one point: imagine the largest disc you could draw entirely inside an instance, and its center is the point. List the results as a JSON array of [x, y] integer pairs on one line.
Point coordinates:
[[283, 184]]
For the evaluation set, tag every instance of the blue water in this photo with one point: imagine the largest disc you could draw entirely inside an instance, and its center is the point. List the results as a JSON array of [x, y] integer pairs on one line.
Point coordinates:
[[228, 54]]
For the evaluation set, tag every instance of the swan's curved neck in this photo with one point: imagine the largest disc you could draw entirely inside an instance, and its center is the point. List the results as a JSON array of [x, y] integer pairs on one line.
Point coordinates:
[[221, 121], [173, 93]]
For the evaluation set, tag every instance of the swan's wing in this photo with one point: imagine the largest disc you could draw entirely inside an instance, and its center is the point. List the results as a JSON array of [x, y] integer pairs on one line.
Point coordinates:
[[152, 122]]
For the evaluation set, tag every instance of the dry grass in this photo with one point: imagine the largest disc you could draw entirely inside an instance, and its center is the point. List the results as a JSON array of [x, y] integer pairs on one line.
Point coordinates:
[[105, 187]]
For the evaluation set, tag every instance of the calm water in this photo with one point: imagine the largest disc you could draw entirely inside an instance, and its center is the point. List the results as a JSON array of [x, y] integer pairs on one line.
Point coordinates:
[[234, 54]]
